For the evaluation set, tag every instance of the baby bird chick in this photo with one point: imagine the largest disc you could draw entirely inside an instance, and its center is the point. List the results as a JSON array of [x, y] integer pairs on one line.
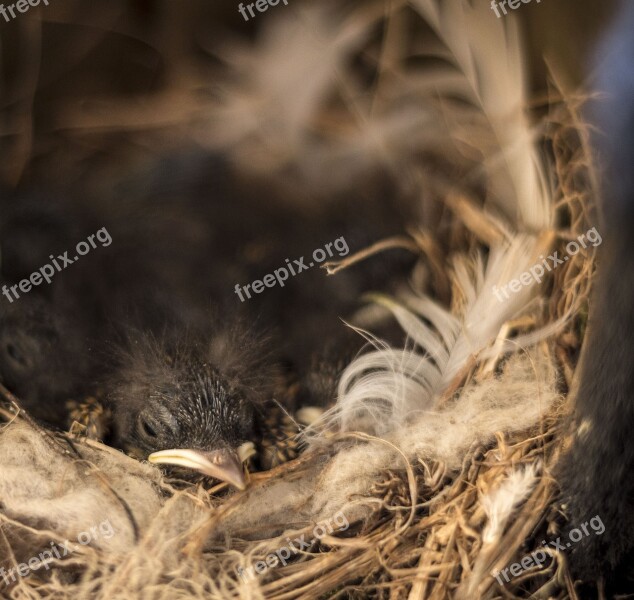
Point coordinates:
[[189, 400], [184, 232]]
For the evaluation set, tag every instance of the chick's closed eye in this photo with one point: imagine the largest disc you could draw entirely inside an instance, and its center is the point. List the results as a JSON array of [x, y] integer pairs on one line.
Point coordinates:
[[156, 423]]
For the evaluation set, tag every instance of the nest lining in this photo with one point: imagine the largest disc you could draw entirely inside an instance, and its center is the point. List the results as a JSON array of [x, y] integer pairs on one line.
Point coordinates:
[[413, 500]]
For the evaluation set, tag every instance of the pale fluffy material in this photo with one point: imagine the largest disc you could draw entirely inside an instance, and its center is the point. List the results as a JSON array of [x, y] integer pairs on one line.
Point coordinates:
[[46, 486], [513, 401], [64, 495]]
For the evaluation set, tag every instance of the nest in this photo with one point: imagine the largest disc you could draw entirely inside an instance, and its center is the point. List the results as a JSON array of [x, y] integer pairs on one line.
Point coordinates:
[[361, 513]]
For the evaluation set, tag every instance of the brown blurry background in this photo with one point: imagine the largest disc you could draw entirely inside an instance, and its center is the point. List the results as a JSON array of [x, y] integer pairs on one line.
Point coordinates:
[[80, 81]]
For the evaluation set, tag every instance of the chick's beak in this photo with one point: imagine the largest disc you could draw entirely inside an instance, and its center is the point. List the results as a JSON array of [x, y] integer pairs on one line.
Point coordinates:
[[222, 464]]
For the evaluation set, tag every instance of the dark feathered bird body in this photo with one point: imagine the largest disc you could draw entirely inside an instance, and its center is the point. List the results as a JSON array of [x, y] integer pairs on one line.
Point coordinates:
[[597, 474]]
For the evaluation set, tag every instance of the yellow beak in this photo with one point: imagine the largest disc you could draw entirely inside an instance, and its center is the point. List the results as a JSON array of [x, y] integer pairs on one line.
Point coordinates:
[[223, 464]]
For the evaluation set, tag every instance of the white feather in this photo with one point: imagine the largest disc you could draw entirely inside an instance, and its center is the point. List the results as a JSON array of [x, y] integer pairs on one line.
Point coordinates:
[[500, 504], [379, 390]]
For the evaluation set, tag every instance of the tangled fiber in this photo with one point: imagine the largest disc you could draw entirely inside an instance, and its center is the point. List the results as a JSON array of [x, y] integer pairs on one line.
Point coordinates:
[[438, 453]]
